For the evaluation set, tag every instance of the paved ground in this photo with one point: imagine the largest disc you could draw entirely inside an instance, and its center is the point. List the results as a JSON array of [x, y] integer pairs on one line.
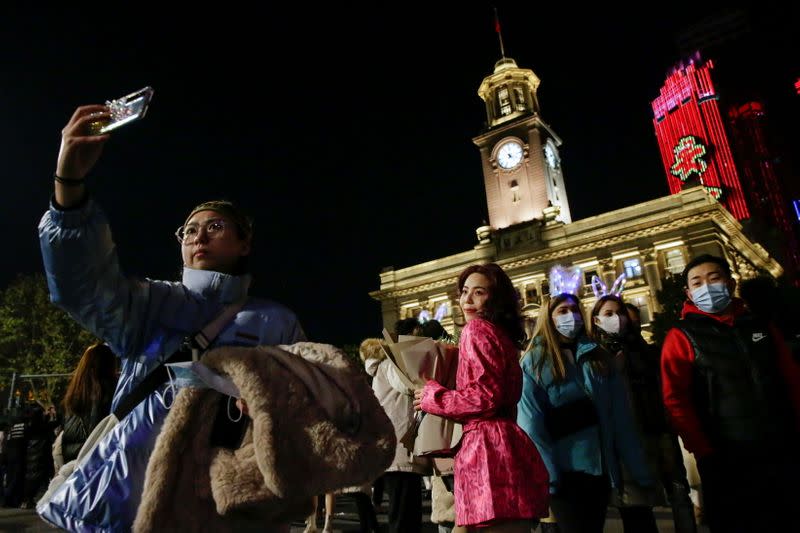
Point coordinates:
[[346, 520]]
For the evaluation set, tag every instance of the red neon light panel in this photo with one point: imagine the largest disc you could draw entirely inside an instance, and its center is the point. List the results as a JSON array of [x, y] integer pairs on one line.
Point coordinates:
[[691, 137]]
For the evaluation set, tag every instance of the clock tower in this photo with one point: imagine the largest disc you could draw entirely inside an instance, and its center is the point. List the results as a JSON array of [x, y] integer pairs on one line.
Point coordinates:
[[519, 152]]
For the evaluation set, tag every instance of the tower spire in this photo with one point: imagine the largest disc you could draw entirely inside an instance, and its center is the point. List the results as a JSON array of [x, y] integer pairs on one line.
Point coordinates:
[[499, 33]]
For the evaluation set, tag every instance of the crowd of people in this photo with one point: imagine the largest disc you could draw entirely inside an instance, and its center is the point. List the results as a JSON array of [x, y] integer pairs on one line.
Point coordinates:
[[27, 462], [39, 441], [559, 424]]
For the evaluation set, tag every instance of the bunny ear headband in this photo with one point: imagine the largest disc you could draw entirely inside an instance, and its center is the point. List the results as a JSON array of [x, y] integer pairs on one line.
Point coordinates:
[[424, 316], [599, 288], [440, 312], [565, 280]]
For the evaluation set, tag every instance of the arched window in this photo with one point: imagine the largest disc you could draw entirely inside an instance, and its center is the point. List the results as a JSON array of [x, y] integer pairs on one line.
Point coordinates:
[[519, 99], [504, 99]]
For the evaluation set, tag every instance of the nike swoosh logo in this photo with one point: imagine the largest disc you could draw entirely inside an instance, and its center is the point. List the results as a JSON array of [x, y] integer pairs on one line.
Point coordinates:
[[758, 337]]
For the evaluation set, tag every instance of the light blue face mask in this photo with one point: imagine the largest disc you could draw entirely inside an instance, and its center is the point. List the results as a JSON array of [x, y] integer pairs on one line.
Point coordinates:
[[196, 374], [711, 297], [569, 324]]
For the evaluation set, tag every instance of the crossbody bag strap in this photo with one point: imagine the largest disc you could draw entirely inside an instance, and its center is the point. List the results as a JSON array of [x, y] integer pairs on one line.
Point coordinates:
[[203, 338], [192, 347]]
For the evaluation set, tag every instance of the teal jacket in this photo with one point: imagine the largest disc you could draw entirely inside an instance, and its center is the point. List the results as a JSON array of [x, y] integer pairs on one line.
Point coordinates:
[[595, 449]]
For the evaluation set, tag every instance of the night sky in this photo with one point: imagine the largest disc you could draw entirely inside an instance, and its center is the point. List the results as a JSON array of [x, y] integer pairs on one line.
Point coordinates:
[[345, 131]]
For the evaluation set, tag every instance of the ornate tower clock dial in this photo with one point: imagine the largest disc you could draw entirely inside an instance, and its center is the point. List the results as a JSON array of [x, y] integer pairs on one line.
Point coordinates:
[[509, 155]]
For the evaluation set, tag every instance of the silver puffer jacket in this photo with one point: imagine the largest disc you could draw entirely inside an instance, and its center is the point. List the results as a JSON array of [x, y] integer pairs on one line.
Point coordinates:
[[144, 322]]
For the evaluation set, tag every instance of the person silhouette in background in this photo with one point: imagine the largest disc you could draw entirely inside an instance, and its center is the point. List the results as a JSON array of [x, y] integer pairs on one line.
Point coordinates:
[[88, 397], [639, 365], [403, 479], [38, 456], [16, 448]]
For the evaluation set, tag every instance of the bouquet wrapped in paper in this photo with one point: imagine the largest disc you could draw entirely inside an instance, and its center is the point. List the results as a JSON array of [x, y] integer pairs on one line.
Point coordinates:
[[417, 360]]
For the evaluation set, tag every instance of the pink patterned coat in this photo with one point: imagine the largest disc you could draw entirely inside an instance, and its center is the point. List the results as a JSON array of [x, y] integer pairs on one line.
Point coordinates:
[[499, 474]]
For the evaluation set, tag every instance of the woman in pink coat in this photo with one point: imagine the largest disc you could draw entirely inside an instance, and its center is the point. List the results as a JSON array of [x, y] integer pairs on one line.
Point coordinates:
[[501, 483]]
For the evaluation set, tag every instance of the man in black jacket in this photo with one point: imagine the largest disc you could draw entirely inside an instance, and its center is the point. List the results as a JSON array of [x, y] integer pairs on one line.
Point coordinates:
[[732, 392]]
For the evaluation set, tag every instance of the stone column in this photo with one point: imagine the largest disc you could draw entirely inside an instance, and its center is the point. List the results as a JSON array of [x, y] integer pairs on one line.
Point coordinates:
[[391, 312], [652, 277], [606, 270]]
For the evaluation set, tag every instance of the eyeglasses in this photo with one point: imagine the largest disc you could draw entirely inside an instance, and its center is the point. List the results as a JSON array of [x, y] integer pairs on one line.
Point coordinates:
[[214, 229]]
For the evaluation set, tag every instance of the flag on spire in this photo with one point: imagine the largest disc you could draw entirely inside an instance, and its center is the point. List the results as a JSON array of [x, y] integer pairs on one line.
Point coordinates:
[[499, 34]]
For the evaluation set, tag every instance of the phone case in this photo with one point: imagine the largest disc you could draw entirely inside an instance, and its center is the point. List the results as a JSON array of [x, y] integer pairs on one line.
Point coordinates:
[[124, 110]]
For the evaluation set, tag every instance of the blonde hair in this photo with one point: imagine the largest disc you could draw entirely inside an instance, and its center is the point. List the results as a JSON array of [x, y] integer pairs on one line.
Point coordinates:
[[550, 341]]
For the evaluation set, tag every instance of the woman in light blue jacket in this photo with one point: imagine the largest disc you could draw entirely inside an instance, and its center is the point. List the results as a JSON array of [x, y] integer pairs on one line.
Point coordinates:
[[574, 408], [143, 321]]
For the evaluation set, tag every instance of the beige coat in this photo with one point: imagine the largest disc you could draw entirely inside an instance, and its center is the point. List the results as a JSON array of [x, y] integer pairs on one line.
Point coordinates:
[[443, 502], [291, 451], [398, 403]]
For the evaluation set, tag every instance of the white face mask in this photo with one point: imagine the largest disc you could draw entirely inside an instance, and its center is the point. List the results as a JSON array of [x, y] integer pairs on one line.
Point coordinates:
[[613, 324], [711, 297], [569, 324]]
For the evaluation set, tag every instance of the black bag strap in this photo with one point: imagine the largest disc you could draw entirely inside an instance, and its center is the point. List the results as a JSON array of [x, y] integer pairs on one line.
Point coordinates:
[[190, 349]]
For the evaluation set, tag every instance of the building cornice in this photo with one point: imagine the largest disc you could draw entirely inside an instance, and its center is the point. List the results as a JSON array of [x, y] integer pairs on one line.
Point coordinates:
[[615, 229]]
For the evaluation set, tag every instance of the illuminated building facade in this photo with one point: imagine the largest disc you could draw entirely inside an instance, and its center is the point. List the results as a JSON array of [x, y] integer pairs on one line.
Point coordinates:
[[645, 241], [692, 139], [767, 200], [732, 163]]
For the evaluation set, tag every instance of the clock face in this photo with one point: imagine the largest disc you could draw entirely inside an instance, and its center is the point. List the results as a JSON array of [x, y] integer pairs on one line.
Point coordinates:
[[509, 155], [550, 155]]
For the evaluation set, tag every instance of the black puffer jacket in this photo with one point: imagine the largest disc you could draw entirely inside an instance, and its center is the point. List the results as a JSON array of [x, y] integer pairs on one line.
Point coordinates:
[[639, 363], [78, 427], [38, 456]]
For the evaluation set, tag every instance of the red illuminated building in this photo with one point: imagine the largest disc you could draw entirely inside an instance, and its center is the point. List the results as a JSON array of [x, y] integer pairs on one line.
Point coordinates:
[[766, 198], [691, 137], [734, 165]]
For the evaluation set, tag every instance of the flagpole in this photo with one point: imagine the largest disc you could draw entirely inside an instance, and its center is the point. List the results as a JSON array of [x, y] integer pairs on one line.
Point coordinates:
[[499, 33]]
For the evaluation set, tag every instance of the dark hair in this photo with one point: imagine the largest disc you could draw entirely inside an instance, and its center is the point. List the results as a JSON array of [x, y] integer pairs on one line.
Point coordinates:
[[593, 328], [633, 309], [634, 319], [433, 329], [242, 222], [94, 380], [503, 309], [405, 326], [762, 296], [705, 258]]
